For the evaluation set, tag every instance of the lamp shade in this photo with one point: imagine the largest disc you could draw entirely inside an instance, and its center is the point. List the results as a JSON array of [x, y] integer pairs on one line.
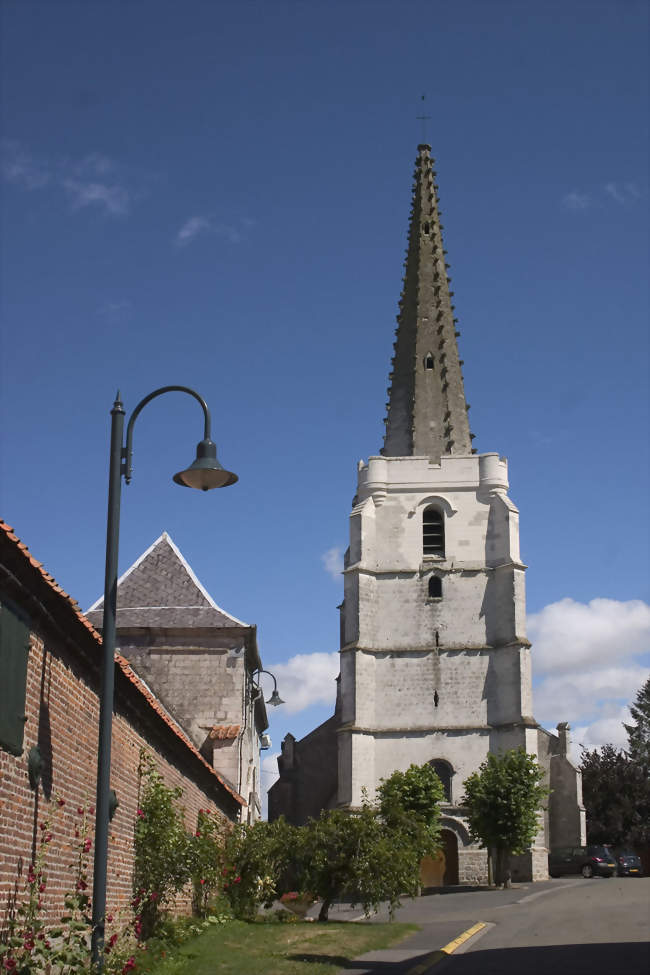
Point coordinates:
[[275, 699], [206, 472]]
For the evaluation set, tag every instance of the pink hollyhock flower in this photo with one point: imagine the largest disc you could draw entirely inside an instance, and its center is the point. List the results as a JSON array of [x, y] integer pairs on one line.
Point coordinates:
[[91, 810], [81, 884], [80, 810], [87, 844], [140, 814], [60, 801], [237, 880], [202, 882]]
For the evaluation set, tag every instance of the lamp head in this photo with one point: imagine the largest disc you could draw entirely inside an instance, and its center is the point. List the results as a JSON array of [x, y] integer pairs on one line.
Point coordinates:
[[206, 472], [275, 699]]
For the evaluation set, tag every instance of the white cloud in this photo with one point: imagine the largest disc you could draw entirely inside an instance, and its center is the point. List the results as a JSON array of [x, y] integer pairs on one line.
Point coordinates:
[[113, 199], [20, 167], [612, 190], [307, 679], [568, 635], [332, 559], [204, 224], [576, 201], [191, 229], [601, 732], [93, 180], [623, 193], [592, 659]]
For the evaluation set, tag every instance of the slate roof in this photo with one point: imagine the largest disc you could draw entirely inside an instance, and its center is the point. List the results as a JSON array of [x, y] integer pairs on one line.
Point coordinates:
[[68, 608], [160, 590]]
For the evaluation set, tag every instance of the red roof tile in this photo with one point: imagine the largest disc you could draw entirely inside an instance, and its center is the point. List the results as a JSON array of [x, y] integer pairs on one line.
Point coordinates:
[[223, 731], [121, 662]]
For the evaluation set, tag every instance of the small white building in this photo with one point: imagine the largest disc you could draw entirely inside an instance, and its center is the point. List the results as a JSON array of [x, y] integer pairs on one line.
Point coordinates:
[[435, 664]]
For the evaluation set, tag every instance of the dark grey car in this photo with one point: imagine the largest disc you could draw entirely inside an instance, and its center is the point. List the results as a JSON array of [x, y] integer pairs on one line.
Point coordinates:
[[590, 861], [628, 864]]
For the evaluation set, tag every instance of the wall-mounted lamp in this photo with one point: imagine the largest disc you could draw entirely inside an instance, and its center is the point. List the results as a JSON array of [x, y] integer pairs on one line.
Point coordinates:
[[275, 698]]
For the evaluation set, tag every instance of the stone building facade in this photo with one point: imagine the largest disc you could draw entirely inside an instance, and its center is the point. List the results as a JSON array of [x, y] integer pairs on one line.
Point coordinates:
[[199, 661], [435, 664], [50, 661]]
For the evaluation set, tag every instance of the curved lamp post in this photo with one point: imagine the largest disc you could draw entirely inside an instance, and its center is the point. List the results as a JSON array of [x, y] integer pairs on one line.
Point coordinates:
[[204, 473], [275, 698]]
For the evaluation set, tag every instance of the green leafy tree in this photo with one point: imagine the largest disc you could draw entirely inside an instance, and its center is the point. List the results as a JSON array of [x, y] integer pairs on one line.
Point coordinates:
[[261, 862], [616, 794], [503, 800], [410, 802], [162, 848], [359, 857], [639, 732]]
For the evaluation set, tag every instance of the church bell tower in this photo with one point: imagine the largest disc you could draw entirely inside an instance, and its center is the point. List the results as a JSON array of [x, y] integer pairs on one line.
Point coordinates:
[[435, 664]]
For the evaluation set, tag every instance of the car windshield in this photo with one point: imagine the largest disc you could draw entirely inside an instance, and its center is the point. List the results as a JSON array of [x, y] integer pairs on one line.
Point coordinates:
[[599, 851]]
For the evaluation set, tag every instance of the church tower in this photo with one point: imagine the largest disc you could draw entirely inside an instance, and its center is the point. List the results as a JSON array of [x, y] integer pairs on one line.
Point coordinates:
[[435, 664]]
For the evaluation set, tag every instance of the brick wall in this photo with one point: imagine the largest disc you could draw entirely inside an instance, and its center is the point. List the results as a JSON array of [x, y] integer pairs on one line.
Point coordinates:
[[62, 712]]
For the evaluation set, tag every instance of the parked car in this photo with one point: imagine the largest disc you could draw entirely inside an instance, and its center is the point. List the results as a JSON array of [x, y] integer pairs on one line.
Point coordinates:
[[587, 860], [628, 864]]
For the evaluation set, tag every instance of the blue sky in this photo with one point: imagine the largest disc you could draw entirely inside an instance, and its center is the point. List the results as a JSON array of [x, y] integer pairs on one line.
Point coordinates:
[[216, 194]]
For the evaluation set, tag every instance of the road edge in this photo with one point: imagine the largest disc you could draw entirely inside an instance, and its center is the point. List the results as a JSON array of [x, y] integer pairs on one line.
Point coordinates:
[[437, 956]]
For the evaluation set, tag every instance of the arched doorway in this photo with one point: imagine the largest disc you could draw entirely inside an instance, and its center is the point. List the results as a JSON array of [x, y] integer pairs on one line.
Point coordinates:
[[450, 850], [443, 871]]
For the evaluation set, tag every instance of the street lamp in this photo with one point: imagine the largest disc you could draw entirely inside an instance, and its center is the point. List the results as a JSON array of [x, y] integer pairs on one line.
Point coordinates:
[[275, 698], [204, 474]]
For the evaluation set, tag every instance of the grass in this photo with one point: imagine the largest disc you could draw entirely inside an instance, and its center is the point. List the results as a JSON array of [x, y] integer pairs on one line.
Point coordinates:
[[302, 948]]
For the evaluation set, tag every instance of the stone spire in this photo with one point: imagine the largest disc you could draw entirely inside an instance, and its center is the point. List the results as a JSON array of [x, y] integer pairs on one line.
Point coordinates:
[[427, 412]]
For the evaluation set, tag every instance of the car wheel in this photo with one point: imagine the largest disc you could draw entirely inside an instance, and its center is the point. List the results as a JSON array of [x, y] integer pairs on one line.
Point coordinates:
[[587, 871]]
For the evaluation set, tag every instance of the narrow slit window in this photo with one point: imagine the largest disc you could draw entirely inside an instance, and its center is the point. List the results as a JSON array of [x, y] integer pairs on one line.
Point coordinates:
[[433, 532], [428, 361], [426, 228], [435, 587]]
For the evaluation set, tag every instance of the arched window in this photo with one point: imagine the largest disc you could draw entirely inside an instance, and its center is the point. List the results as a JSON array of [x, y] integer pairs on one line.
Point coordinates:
[[433, 532], [444, 771], [428, 361], [435, 587]]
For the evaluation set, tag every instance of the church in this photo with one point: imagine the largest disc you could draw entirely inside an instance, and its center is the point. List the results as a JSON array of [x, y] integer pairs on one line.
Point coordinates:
[[434, 662]]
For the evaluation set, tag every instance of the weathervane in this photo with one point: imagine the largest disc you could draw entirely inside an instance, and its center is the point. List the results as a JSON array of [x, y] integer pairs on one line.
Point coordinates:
[[424, 119]]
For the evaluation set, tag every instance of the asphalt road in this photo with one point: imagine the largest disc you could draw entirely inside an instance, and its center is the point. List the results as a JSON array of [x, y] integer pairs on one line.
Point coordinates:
[[568, 926]]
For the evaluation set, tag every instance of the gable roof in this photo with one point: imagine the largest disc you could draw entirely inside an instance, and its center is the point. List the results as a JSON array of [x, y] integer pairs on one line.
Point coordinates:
[[24, 570], [161, 590]]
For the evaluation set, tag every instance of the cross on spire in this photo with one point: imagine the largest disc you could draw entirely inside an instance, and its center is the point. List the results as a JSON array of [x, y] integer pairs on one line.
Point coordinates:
[[424, 119]]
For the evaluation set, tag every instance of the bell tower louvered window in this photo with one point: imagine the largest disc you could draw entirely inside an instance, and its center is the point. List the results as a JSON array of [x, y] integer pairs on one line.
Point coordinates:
[[433, 532]]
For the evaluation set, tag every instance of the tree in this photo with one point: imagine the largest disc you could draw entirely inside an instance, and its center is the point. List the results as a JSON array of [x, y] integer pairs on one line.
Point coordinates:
[[503, 800], [410, 802], [260, 862], [639, 732], [616, 794], [358, 856]]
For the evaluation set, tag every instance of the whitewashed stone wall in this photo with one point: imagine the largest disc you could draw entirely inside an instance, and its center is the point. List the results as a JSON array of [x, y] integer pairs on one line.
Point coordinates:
[[403, 649]]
